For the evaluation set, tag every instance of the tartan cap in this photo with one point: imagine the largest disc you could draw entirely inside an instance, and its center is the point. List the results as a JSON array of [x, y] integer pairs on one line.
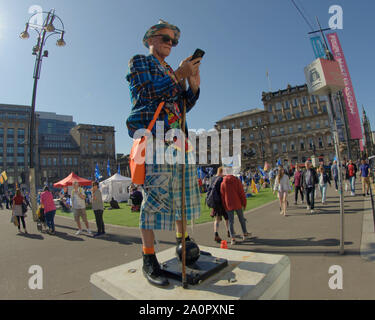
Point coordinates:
[[161, 25]]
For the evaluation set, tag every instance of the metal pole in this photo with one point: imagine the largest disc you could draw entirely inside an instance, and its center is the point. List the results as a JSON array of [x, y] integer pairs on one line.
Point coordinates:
[[337, 149], [183, 213]]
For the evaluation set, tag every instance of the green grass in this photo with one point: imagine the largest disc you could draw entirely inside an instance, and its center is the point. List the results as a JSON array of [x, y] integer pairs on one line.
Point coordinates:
[[124, 216]]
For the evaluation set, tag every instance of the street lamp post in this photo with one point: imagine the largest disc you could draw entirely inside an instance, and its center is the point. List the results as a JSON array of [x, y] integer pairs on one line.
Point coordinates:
[[260, 131], [44, 31]]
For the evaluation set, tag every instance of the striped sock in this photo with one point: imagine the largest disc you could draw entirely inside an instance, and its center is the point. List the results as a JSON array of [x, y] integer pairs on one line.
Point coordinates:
[[149, 250]]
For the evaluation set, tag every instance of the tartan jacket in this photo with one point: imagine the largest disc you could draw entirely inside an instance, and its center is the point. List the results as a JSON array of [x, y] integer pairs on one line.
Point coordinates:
[[150, 84]]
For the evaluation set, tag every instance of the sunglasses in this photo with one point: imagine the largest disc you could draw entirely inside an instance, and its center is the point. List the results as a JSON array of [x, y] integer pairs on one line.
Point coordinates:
[[166, 38]]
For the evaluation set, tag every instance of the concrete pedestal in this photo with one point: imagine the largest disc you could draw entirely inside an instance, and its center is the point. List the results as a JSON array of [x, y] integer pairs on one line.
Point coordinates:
[[248, 276]]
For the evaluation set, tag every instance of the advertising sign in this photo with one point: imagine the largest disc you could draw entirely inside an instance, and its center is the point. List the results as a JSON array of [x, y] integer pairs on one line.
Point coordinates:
[[348, 92]]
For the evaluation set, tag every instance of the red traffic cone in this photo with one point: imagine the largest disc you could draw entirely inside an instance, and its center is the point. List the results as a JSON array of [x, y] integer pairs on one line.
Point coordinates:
[[224, 244]]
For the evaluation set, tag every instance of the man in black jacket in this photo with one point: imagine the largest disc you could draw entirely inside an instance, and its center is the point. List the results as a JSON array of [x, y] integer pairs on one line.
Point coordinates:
[[309, 180]]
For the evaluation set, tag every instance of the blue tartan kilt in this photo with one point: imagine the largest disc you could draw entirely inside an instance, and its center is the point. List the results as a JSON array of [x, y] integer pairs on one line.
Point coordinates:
[[162, 193]]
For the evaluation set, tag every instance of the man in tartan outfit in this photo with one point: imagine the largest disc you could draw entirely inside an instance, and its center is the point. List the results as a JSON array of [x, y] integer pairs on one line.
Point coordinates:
[[151, 81]]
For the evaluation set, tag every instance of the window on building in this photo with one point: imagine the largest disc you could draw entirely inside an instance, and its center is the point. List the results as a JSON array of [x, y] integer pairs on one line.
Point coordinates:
[[10, 150], [54, 161], [44, 162], [1, 150], [299, 128], [329, 140], [320, 141], [292, 146], [275, 148], [286, 105], [250, 123], [20, 150], [312, 99], [283, 147], [315, 110], [20, 161], [70, 161], [10, 160], [302, 144], [50, 161], [326, 123], [282, 131], [259, 120], [251, 136], [241, 124], [317, 125], [295, 102], [270, 107], [232, 125], [224, 126], [273, 133], [278, 106], [288, 116], [21, 133], [65, 161], [242, 138], [1, 132], [304, 100], [290, 129], [272, 118], [311, 143], [306, 112], [75, 161], [323, 98], [280, 116], [324, 108]]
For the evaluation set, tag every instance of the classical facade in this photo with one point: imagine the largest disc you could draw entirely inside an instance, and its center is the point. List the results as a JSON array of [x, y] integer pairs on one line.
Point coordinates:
[[97, 146], [292, 126]]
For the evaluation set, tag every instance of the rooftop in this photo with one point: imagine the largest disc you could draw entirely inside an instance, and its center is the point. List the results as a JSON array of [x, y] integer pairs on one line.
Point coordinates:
[[241, 114]]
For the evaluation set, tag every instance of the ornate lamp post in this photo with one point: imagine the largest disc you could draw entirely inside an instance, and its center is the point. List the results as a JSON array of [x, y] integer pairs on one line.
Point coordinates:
[[44, 31]]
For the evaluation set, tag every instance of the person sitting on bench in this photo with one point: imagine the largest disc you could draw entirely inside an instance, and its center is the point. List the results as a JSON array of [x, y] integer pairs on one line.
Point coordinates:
[[114, 204]]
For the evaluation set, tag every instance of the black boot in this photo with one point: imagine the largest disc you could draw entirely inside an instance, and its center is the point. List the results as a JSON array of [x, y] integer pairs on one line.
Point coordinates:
[[152, 272], [179, 240]]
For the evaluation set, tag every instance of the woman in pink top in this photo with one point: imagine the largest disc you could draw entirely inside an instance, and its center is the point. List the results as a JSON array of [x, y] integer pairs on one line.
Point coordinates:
[[46, 199]]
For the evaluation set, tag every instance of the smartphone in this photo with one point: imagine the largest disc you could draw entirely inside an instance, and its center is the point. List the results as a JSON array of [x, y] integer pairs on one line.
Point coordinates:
[[197, 54]]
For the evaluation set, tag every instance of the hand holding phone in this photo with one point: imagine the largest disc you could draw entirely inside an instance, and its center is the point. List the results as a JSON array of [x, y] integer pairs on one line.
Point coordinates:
[[197, 54]]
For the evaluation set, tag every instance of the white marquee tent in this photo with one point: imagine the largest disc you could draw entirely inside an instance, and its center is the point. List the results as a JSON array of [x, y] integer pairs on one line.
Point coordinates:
[[116, 187]]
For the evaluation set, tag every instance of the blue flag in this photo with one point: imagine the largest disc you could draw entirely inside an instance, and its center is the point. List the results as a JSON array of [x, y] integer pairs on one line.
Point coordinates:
[[279, 162], [118, 169], [97, 173], [261, 171], [108, 169]]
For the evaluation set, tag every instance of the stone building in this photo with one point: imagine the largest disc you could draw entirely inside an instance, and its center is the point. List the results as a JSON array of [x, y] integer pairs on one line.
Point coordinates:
[[292, 126], [97, 146]]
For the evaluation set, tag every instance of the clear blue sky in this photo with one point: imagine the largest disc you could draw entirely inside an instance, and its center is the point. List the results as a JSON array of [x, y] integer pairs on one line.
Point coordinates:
[[242, 39]]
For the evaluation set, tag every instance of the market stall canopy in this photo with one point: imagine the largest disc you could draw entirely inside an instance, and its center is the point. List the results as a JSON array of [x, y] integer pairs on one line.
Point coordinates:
[[115, 187], [68, 181]]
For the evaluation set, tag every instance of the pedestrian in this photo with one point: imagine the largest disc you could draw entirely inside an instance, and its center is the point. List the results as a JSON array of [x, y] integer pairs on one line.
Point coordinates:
[[218, 212], [335, 174], [283, 187], [79, 206], [365, 177], [97, 206], [298, 184], [324, 180], [351, 174], [46, 200], [152, 80], [18, 211], [309, 180], [234, 200]]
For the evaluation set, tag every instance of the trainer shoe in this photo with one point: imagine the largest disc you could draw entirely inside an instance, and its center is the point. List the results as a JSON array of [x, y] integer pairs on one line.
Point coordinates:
[[78, 232], [312, 211], [89, 231]]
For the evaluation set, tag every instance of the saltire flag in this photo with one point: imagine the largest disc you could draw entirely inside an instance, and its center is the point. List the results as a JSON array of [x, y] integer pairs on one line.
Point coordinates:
[[279, 162], [254, 187], [261, 171], [108, 169], [97, 173], [118, 169]]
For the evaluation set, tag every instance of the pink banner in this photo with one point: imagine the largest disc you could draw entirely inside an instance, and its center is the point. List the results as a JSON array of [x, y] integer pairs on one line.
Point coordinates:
[[348, 92]]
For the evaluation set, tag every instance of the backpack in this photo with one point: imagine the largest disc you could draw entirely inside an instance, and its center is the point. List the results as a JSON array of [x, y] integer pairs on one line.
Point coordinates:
[[213, 198]]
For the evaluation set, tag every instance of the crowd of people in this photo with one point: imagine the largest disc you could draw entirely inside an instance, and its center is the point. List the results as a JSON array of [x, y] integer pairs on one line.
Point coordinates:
[[224, 196]]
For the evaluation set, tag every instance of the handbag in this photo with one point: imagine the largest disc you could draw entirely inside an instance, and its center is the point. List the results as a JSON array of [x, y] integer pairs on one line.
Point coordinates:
[[138, 153]]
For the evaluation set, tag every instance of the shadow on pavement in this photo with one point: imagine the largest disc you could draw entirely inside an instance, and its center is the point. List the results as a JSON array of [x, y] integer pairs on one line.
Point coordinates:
[[66, 236], [31, 236]]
